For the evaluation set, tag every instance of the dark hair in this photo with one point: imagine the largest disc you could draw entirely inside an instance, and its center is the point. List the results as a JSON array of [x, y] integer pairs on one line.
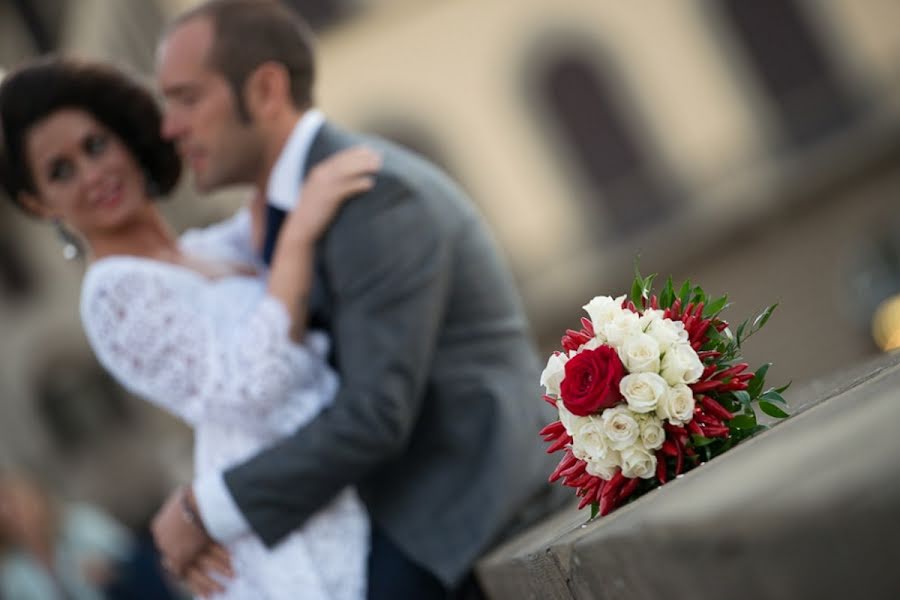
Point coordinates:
[[38, 89], [248, 33]]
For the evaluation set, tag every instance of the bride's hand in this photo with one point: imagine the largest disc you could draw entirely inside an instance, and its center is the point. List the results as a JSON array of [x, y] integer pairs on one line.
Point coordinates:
[[327, 186]]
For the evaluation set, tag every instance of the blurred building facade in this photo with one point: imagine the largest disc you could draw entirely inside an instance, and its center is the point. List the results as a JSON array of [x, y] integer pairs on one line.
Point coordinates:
[[753, 147]]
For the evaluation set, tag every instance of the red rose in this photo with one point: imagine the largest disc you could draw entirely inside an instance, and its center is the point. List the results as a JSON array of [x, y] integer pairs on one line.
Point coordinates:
[[592, 380]]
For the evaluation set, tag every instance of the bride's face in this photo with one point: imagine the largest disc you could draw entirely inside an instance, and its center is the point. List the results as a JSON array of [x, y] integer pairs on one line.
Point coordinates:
[[82, 172]]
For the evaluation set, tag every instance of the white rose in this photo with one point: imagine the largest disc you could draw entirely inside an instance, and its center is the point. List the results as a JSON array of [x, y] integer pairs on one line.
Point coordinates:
[[680, 364], [591, 440], [640, 353], [602, 310], [642, 391], [649, 316], [591, 344], [637, 462], [667, 333], [652, 433], [620, 427], [623, 325], [554, 373], [571, 422], [605, 468], [677, 405]]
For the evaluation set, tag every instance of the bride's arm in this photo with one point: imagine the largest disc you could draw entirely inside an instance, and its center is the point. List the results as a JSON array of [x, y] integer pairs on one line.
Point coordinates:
[[151, 330], [152, 327], [328, 184]]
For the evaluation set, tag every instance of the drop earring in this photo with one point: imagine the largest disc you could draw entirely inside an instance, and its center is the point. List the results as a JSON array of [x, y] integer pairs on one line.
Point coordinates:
[[71, 250]]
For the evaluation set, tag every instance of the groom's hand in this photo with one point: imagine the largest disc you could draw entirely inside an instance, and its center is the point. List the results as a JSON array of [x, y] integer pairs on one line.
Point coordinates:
[[179, 533]]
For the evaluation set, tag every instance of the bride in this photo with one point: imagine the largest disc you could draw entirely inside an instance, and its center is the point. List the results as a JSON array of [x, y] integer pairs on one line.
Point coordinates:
[[195, 324]]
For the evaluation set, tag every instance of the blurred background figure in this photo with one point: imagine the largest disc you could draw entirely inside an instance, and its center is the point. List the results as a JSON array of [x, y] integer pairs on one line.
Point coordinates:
[[752, 146], [50, 549]]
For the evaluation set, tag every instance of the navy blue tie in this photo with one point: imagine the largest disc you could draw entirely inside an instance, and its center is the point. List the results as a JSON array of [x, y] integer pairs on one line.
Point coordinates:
[[274, 218]]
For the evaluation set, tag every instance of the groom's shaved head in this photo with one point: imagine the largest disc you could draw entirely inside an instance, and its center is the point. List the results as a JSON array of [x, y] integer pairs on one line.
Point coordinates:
[[249, 33]]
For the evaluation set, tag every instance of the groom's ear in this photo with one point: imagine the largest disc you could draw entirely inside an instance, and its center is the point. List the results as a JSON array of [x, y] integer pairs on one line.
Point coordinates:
[[267, 91]]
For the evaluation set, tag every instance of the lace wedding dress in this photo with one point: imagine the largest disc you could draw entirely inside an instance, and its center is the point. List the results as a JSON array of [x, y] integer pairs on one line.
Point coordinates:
[[216, 353]]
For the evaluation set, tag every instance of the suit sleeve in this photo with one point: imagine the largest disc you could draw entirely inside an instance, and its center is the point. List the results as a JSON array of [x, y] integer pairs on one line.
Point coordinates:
[[388, 265]]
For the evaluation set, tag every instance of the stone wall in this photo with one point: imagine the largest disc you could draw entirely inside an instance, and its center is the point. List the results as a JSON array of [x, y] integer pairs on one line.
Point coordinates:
[[808, 509]]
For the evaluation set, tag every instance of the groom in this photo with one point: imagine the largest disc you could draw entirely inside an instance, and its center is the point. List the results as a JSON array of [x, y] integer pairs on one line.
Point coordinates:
[[436, 419]]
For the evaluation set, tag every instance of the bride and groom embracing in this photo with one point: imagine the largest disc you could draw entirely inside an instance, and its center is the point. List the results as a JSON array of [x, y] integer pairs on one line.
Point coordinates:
[[349, 347]]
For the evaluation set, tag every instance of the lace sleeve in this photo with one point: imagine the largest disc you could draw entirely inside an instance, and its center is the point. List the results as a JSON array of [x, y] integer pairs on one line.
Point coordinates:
[[228, 240], [150, 328]]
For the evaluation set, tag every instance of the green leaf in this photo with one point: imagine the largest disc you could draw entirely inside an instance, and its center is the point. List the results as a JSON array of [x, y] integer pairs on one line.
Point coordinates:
[[648, 285], [772, 410], [595, 509], [667, 296], [637, 291], [699, 441], [743, 422], [763, 317], [715, 307], [759, 378], [685, 293], [773, 396], [698, 295], [743, 397], [784, 387]]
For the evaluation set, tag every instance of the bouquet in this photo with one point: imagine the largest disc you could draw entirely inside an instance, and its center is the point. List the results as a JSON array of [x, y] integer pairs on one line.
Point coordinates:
[[649, 388]]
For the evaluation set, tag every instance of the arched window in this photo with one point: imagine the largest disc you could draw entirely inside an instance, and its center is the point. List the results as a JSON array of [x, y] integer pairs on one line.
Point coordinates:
[[588, 114], [792, 66]]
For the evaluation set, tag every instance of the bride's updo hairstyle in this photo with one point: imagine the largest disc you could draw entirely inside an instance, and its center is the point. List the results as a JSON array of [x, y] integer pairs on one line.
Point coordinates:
[[38, 89]]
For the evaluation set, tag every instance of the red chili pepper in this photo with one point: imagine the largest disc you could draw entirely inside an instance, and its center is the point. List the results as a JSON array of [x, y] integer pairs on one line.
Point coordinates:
[[734, 385], [674, 429], [577, 482], [715, 408], [694, 428], [573, 339], [550, 400], [607, 504], [575, 470], [679, 458], [654, 302], [553, 428], [705, 386], [709, 354], [627, 490], [588, 326], [717, 431], [732, 371], [700, 330], [560, 443], [567, 461], [661, 467], [676, 309], [670, 447]]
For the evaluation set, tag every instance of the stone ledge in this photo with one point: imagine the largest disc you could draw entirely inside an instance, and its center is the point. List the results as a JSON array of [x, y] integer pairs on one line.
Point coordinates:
[[808, 509]]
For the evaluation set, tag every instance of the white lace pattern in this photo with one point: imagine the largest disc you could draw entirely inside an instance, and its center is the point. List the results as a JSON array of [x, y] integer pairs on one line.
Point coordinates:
[[216, 353]]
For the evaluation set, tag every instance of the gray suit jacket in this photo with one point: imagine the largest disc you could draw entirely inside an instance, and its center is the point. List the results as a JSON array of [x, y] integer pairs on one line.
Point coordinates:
[[436, 421]]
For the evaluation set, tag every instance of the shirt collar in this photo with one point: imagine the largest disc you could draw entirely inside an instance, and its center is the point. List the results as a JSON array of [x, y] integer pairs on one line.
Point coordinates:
[[283, 187]]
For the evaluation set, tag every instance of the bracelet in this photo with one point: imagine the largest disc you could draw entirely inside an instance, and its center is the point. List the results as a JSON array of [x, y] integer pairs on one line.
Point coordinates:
[[189, 513]]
